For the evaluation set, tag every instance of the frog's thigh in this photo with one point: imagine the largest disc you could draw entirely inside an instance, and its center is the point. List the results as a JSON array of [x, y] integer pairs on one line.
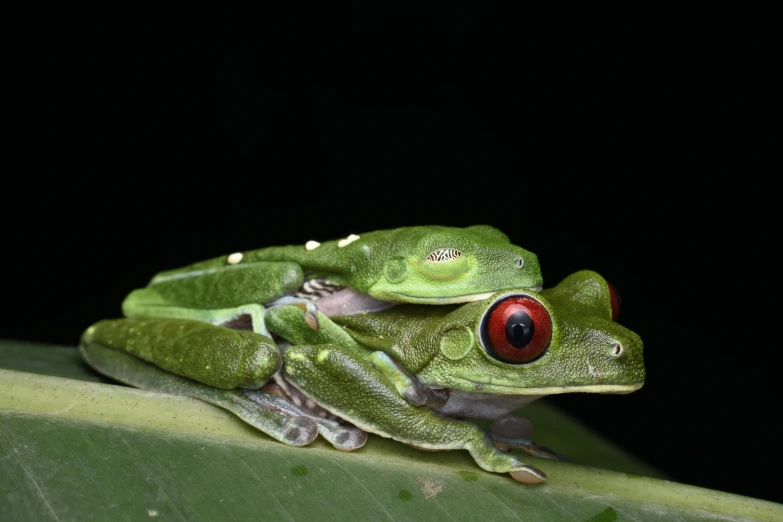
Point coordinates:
[[221, 287], [209, 354], [349, 386], [294, 431], [217, 316]]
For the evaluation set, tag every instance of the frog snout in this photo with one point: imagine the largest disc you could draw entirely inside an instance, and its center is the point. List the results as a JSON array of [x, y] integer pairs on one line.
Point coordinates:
[[626, 350]]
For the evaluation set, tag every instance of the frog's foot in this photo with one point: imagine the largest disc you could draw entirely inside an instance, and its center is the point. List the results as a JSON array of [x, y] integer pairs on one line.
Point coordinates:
[[408, 386], [309, 307], [490, 458], [343, 438], [426, 396]]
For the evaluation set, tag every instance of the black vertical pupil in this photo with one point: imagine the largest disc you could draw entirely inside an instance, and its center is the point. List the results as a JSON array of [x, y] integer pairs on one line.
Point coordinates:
[[519, 329]]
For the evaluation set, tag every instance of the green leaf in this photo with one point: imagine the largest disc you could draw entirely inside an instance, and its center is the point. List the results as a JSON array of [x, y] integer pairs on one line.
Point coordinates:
[[73, 447]]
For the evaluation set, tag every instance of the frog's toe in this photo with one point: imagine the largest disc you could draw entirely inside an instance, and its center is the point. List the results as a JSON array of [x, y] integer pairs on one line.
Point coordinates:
[[437, 398], [349, 439], [418, 395], [311, 318], [415, 395], [299, 431], [528, 475], [309, 307]]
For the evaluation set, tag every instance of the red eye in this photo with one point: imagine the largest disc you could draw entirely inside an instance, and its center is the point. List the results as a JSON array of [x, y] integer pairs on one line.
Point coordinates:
[[616, 301], [517, 329]]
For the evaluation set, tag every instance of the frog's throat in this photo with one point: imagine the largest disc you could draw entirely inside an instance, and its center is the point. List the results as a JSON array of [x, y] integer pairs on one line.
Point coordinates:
[[470, 385]]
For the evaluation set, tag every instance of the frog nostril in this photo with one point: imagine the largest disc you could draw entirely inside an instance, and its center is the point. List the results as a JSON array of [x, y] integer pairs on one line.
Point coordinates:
[[617, 349], [520, 263]]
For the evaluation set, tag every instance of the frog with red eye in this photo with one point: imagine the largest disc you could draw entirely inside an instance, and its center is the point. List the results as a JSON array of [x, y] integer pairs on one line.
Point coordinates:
[[414, 373]]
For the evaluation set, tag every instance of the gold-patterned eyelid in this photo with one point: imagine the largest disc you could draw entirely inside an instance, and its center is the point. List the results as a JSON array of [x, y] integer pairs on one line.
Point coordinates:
[[442, 255]]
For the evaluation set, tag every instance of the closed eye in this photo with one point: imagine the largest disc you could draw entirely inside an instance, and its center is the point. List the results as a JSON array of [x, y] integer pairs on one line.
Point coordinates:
[[442, 255]]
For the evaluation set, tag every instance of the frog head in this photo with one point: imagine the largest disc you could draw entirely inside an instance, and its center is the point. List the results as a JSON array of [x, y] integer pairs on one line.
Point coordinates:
[[438, 265], [522, 342]]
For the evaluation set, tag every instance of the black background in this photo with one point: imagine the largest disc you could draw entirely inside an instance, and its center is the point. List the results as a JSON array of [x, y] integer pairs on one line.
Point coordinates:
[[633, 152]]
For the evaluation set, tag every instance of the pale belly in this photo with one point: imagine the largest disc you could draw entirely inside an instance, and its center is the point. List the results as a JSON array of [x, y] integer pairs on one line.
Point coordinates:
[[478, 405]]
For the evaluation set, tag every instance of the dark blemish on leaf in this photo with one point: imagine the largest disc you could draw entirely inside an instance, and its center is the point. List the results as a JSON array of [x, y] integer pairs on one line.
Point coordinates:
[[607, 515], [299, 471], [468, 476], [404, 494]]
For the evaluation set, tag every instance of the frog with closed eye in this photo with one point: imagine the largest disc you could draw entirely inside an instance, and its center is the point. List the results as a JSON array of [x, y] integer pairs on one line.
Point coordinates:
[[411, 372]]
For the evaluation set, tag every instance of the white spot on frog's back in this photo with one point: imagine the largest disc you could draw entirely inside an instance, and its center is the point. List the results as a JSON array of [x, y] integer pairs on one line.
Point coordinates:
[[347, 241], [312, 245], [235, 258]]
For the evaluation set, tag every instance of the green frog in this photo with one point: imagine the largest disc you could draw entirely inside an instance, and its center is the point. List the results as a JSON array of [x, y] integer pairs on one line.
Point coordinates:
[[257, 342]]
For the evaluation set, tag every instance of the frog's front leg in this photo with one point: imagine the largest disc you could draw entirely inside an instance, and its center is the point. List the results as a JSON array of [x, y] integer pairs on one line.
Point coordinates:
[[349, 386], [286, 321], [408, 386]]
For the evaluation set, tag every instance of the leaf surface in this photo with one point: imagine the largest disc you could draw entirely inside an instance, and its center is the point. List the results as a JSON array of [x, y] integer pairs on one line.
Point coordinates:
[[74, 447]]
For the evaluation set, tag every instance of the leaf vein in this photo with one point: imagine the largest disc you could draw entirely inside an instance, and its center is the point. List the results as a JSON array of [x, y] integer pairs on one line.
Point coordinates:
[[30, 476]]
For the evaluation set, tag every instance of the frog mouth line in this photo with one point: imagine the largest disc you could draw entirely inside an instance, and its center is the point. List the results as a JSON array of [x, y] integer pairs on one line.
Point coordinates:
[[465, 298], [482, 387]]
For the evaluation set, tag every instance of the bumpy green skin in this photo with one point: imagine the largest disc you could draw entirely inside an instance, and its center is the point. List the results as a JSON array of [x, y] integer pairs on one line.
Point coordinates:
[[379, 370], [226, 286], [388, 265], [371, 402], [441, 345], [235, 358]]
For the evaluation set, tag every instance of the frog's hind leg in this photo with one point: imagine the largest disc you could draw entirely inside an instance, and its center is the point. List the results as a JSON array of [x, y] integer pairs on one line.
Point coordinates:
[[124, 367]]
